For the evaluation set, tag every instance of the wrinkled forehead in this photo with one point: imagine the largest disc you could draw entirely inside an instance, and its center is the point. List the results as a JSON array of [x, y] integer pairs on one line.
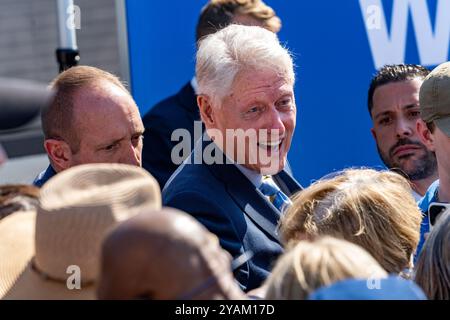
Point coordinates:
[[250, 82], [267, 76]]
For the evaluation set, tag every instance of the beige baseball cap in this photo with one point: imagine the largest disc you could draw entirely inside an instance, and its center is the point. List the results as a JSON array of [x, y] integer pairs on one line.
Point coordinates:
[[434, 97]]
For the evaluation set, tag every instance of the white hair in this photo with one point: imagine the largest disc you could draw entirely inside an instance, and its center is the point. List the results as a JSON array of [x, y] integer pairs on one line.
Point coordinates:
[[222, 55]]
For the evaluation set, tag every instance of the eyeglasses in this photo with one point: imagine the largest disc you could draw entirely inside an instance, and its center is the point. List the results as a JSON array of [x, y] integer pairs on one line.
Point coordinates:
[[235, 264], [435, 210]]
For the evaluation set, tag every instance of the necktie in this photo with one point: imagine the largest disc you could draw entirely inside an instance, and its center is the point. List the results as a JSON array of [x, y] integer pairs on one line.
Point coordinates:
[[276, 196]]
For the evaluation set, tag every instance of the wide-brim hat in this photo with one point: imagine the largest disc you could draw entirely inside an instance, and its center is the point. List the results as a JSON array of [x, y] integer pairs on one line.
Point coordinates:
[[17, 278], [55, 253]]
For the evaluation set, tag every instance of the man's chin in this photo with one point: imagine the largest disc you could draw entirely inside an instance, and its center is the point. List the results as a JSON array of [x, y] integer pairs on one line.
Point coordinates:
[[405, 167], [273, 167]]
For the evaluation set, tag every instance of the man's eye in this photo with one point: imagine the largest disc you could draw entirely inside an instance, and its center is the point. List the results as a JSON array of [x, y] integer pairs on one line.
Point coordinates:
[[384, 121], [111, 147], [252, 110], [285, 103], [136, 139], [414, 114]]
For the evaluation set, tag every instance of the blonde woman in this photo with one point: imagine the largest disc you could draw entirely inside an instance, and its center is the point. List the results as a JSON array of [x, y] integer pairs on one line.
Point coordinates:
[[373, 209], [310, 265]]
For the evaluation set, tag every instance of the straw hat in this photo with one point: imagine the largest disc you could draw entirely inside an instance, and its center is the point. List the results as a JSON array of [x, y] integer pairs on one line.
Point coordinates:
[[45, 255]]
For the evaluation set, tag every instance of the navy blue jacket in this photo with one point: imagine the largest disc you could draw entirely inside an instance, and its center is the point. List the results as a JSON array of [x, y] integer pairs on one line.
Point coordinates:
[[178, 111], [44, 176], [222, 198]]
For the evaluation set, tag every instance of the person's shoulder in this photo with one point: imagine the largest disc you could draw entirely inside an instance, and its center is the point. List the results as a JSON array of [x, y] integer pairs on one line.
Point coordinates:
[[192, 178], [189, 173], [198, 194], [429, 196]]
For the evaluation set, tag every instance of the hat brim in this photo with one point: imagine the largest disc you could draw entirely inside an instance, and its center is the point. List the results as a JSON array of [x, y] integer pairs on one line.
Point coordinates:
[[444, 125], [30, 285], [18, 280]]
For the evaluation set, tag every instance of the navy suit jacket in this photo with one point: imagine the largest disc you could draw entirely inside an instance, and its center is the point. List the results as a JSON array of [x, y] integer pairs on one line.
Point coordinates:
[[178, 111], [222, 198]]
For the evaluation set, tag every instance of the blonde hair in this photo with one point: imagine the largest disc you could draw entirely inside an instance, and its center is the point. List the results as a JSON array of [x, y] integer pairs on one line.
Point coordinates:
[[433, 265], [310, 265], [374, 209]]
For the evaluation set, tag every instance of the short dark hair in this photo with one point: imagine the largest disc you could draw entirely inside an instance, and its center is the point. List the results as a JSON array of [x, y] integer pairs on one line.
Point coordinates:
[[58, 117], [394, 73], [217, 14]]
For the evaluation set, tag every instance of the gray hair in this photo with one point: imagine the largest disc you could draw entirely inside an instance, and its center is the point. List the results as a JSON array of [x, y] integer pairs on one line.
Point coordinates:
[[222, 55]]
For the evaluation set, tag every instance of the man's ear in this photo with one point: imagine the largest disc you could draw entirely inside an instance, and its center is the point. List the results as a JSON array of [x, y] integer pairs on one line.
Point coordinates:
[[206, 110], [425, 135], [59, 153], [374, 134]]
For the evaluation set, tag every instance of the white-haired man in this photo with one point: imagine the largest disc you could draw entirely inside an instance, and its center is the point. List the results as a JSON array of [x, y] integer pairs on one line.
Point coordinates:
[[238, 188], [181, 110]]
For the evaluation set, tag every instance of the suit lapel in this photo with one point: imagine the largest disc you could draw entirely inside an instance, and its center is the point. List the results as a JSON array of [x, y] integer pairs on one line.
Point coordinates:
[[287, 183], [247, 196], [250, 199]]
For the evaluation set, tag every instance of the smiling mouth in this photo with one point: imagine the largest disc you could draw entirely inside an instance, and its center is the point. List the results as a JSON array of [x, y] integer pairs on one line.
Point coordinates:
[[272, 146]]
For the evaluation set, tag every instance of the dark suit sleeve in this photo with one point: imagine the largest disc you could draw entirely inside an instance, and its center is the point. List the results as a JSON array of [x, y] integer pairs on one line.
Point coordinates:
[[215, 218], [156, 154]]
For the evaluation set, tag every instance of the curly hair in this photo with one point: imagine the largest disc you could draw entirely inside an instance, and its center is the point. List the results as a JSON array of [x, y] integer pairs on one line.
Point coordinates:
[[373, 209]]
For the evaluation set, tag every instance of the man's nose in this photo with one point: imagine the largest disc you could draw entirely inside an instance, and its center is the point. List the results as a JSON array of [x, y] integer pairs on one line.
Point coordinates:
[[132, 155], [275, 122], [404, 128]]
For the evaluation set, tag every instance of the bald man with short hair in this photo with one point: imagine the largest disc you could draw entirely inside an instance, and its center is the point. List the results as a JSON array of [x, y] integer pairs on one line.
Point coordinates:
[[92, 118], [164, 255]]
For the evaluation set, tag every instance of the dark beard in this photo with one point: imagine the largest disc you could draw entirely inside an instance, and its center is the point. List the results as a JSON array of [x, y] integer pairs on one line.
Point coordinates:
[[423, 167]]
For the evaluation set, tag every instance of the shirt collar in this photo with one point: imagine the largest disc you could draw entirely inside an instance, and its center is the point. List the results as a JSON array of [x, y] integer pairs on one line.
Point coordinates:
[[416, 196], [254, 177]]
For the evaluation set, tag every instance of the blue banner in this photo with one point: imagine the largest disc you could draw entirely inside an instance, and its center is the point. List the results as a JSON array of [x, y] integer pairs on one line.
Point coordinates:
[[338, 45]]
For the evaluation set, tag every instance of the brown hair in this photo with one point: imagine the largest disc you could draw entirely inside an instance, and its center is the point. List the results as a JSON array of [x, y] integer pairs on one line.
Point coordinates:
[[218, 14], [17, 197], [58, 117], [310, 265], [370, 208], [433, 265]]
